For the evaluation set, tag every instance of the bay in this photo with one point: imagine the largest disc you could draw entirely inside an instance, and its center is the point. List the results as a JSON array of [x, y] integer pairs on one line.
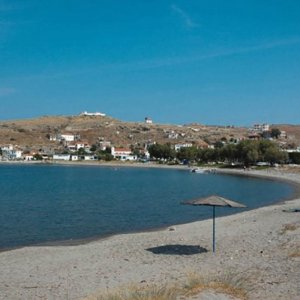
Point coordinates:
[[51, 203]]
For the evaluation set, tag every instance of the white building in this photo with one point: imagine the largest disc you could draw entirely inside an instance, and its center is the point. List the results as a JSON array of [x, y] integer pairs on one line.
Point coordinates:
[[89, 157], [179, 146], [283, 134], [123, 154], [261, 127], [78, 145], [97, 114], [61, 157], [104, 145], [9, 153], [148, 120], [67, 137], [28, 157], [172, 135]]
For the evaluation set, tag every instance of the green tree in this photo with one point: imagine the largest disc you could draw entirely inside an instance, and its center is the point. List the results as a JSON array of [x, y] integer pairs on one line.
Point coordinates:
[[37, 156], [229, 153], [294, 157], [189, 153], [206, 155], [162, 151], [81, 151], [247, 152], [93, 148], [219, 144], [275, 133]]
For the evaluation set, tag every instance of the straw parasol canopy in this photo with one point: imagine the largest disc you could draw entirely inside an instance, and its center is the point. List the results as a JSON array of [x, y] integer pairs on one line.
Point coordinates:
[[214, 201]]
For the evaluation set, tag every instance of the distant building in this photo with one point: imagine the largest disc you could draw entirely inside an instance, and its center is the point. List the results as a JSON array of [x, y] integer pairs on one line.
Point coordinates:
[[68, 137], [171, 134], [148, 120], [94, 114], [61, 157], [10, 153], [64, 137], [123, 154], [104, 145], [283, 134], [261, 127], [75, 146], [180, 146]]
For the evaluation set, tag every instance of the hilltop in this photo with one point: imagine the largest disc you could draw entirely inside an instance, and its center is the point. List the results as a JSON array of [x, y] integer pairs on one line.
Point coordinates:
[[34, 133]]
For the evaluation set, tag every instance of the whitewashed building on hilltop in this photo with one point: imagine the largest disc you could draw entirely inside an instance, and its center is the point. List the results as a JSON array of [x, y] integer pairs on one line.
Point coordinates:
[[148, 120], [94, 114]]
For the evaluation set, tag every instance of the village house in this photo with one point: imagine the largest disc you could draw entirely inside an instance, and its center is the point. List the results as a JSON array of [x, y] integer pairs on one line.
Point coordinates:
[[172, 135], [123, 154], [61, 157], [283, 134], [103, 145], [148, 120], [9, 152], [261, 127], [177, 147], [75, 146], [66, 137]]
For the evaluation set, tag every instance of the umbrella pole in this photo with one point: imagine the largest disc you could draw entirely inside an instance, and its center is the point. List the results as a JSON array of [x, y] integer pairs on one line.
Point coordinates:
[[214, 232]]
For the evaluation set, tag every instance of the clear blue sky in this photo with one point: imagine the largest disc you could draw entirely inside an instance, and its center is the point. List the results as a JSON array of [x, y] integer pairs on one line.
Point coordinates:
[[212, 62]]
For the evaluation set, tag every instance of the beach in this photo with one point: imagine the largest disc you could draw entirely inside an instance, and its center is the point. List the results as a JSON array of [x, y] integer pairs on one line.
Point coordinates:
[[261, 247]]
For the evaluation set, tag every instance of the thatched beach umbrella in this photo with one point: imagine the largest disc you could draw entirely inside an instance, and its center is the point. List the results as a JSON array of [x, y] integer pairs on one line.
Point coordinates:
[[214, 201]]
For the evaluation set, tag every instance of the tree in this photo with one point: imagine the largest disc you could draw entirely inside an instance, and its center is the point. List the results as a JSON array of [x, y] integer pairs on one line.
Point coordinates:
[[162, 151], [294, 157], [229, 153], [93, 148], [275, 133], [81, 151], [188, 153], [105, 155], [247, 152], [206, 155], [37, 156], [270, 152], [219, 144]]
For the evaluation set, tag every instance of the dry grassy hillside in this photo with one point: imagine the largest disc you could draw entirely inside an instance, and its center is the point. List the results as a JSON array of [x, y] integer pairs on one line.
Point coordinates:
[[293, 132], [33, 133]]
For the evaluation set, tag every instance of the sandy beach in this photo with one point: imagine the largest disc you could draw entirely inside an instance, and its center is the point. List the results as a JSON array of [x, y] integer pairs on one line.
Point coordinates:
[[261, 247]]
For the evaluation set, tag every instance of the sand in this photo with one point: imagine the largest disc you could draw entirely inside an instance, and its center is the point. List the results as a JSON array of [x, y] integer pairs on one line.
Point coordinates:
[[261, 247]]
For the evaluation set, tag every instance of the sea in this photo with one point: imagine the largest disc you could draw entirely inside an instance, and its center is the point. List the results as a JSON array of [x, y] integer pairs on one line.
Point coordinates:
[[52, 204]]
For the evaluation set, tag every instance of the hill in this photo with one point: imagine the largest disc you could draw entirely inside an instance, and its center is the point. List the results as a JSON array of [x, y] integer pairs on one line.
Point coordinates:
[[34, 133]]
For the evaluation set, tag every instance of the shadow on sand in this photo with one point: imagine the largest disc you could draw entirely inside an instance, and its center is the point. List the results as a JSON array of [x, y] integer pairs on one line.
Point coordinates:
[[177, 249]]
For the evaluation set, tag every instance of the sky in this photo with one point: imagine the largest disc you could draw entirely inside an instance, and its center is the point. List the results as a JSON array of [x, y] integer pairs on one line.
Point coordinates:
[[212, 62]]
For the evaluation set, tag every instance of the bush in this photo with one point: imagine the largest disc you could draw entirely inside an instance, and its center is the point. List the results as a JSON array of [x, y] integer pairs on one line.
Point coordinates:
[[294, 157]]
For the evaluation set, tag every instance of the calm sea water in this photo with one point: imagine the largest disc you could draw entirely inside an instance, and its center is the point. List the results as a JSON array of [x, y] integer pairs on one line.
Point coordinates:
[[53, 203]]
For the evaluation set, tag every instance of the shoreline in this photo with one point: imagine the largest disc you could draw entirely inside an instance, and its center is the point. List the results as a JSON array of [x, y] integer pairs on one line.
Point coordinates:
[[270, 175], [251, 241]]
